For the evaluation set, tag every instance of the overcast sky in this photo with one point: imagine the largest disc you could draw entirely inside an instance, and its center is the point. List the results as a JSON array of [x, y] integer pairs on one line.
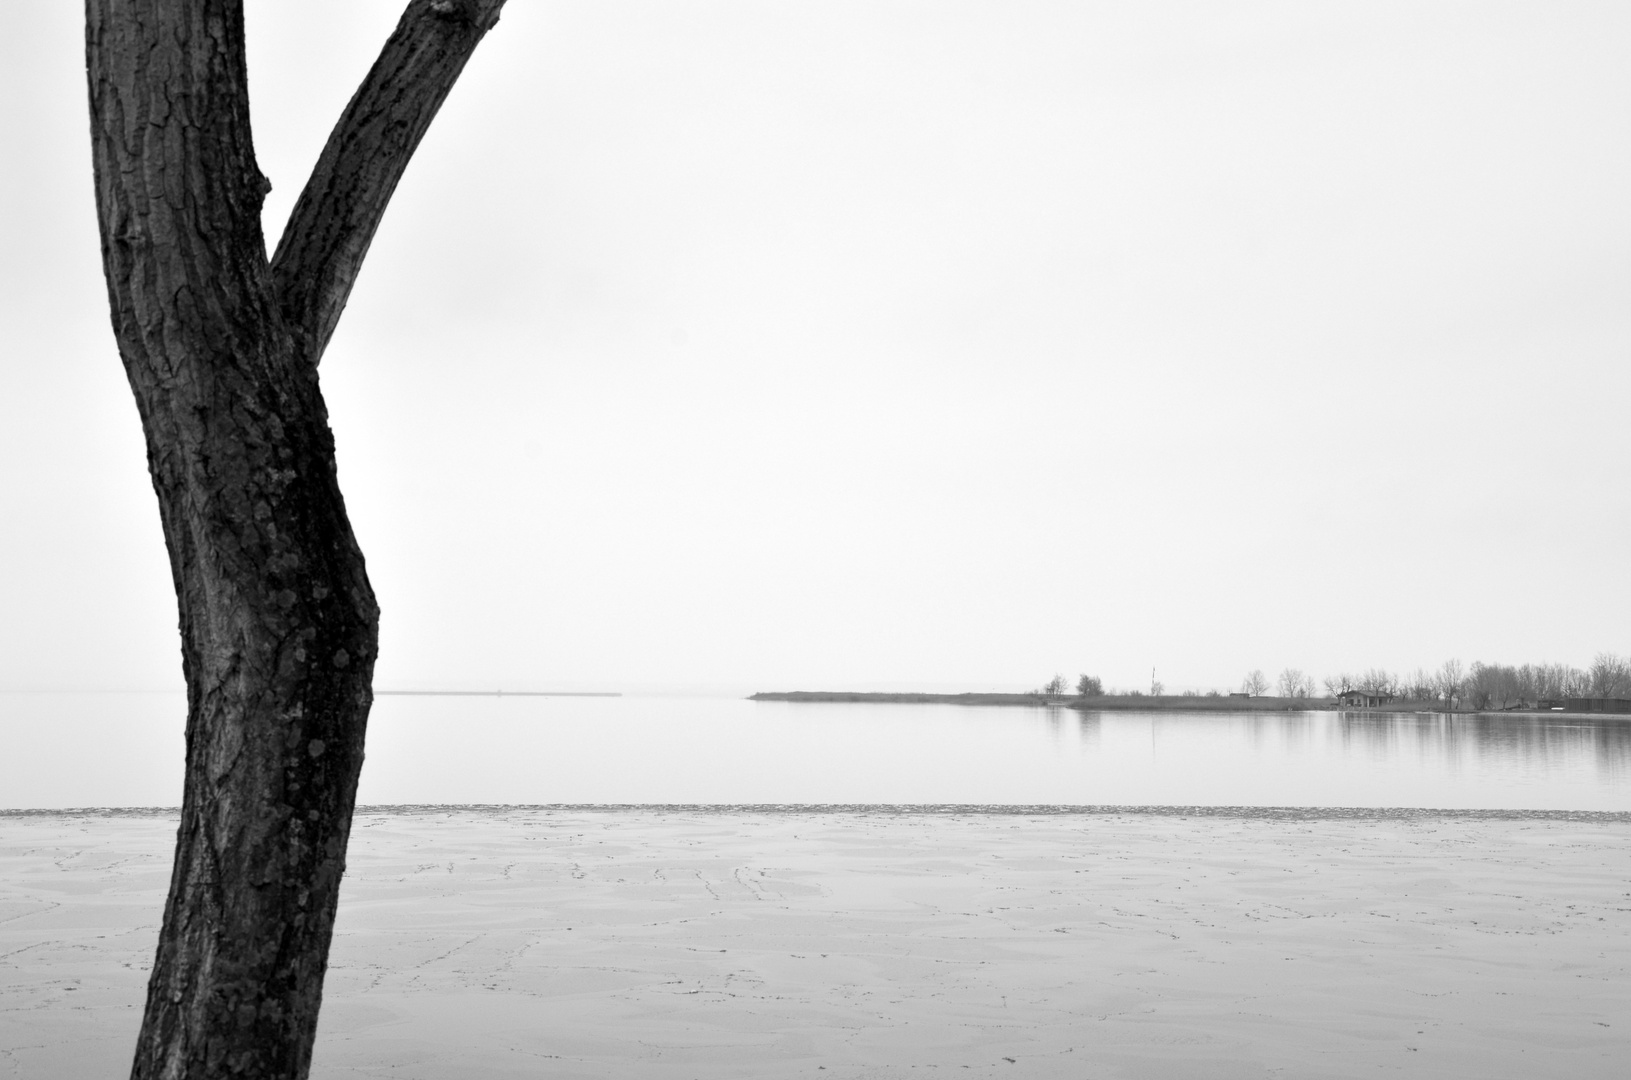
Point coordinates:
[[824, 345]]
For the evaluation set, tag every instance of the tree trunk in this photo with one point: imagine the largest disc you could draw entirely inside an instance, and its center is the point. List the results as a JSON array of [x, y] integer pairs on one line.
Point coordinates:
[[279, 627]]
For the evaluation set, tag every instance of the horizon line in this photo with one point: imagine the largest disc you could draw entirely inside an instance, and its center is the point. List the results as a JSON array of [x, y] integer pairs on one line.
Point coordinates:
[[498, 693]]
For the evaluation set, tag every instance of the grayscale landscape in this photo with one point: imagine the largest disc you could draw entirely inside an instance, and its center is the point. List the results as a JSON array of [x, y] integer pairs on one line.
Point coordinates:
[[645, 542]]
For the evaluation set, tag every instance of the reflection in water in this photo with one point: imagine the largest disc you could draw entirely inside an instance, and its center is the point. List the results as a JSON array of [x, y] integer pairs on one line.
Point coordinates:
[[126, 750], [1089, 731], [1613, 745], [1056, 718], [1361, 759], [1532, 744]]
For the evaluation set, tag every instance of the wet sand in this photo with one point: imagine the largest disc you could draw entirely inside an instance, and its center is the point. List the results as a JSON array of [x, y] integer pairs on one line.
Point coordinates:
[[689, 942]]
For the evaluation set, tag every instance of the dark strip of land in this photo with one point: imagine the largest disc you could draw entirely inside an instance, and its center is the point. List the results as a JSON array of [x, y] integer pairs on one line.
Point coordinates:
[[1164, 703], [1103, 702]]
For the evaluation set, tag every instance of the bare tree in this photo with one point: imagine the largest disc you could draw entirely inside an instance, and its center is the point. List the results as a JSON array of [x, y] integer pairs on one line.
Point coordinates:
[[1420, 685], [1378, 681], [1558, 681], [1449, 681], [1495, 686], [1255, 683], [1054, 687], [1507, 686], [1294, 684], [1527, 683], [1610, 675], [1479, 685], [1338, 684], [1535, 683], [1089, 686], [279, 627]]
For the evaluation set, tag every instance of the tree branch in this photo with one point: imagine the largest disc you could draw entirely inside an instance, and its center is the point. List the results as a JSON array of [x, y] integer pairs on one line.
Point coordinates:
[[333, 223]]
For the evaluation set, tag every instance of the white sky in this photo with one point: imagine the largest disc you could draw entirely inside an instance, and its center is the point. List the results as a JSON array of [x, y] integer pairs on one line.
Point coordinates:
[[830, 345]]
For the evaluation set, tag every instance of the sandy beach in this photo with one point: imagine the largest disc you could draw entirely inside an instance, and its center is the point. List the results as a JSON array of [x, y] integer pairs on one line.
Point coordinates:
[[857, 943]]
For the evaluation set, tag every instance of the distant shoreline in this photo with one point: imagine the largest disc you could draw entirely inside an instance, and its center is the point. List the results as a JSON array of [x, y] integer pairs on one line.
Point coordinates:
[[1423, 814], [1146, 703], [1100, 703]]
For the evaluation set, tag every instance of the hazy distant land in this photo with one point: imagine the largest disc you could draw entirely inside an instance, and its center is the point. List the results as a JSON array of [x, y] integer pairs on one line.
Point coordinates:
[[1602, 689], [1127, 702], [1105, 702]]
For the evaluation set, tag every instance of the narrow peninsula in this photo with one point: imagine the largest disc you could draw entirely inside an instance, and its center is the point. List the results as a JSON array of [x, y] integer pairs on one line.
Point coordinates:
[[1088, 703]]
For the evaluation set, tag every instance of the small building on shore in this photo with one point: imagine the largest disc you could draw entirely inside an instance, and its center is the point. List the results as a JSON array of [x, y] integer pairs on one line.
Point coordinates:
[[1363, 699]]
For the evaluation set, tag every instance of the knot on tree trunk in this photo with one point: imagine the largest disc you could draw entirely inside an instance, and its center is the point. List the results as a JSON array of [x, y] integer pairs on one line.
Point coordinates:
[[482, 14]]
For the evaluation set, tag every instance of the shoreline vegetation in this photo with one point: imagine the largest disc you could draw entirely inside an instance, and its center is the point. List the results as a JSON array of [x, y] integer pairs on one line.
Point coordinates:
[[1105, 702], [1531, 689], [1140, 702]]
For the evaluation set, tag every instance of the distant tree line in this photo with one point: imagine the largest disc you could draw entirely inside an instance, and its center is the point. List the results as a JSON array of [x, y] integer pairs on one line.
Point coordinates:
[[1474, 686], [1496, 686], [1086, 686]]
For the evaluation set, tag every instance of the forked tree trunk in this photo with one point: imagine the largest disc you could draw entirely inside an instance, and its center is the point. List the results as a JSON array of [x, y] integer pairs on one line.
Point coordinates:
[[278, 623]]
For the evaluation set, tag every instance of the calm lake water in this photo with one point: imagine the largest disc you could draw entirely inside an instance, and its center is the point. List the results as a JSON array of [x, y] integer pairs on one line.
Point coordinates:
[[61, 750]]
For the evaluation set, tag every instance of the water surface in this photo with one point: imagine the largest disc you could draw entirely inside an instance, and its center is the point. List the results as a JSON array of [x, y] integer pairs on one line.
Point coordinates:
[[60, 750]]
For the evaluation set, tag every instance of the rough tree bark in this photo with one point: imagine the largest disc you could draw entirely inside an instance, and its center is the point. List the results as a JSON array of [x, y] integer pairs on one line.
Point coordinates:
[[279, 626]]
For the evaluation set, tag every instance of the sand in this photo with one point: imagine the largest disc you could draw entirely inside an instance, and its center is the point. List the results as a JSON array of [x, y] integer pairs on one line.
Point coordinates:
[[679, 943]]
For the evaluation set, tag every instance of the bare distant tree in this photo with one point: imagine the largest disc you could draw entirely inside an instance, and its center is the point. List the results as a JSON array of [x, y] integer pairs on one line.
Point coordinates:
[[1549, 680], [1294, 684], [1527, 683], [1556, 681], [1610, 676], [1089, 686], [1492, 686], [1378, 681], [1481, 685], [1449, 681], [1508, 687], [1255, 683], [1476, 686], [1338, 684], [1054, 687], [1420, 685]]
